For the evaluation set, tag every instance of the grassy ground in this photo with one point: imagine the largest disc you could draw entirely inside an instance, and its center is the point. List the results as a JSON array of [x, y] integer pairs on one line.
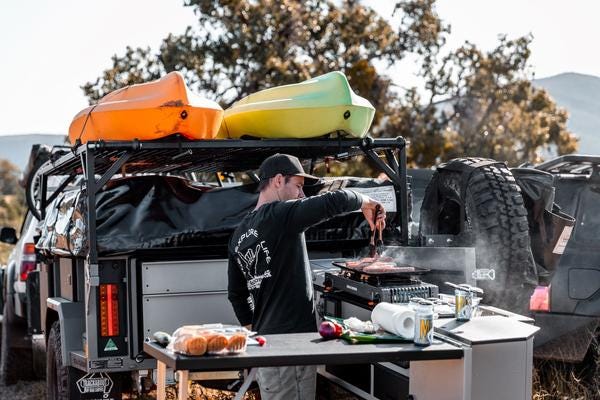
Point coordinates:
[[559, 381]]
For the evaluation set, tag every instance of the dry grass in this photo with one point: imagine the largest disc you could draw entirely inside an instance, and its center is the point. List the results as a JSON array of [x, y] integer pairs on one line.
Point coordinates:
[[196, 392], [553, 380]]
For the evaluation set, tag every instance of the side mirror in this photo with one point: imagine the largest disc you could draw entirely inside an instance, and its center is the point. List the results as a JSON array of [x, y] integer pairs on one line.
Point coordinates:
[[8, 235]]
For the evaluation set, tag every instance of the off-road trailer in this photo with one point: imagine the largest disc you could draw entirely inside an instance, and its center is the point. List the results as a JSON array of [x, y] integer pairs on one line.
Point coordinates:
[[97, 310]]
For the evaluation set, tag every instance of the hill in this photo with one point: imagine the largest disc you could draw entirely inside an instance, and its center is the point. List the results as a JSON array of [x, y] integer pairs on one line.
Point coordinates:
[[16, 148], [580, 95]]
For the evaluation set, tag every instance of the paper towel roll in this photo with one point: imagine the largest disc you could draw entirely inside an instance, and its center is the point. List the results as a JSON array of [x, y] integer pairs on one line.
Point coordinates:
[[395, 318]]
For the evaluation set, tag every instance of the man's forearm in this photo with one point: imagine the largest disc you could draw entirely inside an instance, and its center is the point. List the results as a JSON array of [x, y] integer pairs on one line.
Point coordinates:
[[310, 211]]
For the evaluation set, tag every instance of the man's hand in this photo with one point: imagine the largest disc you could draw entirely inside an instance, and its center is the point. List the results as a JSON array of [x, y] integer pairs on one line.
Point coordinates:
[[368, 209]]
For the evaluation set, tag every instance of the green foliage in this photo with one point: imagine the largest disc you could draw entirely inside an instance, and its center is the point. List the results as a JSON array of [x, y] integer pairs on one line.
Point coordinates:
[[12, 203], [476, 103], [489, 108]]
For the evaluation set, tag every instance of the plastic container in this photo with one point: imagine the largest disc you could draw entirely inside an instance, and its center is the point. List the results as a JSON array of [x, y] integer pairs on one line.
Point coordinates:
[[197, 340]]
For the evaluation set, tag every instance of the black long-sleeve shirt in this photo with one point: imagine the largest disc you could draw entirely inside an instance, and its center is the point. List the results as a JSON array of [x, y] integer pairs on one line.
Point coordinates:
[[270, 283]]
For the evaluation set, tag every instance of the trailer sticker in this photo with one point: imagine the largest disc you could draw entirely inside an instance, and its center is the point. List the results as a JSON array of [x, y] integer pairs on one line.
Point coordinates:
[[110, 346], [383, 194], [95, 382], [563, 240]]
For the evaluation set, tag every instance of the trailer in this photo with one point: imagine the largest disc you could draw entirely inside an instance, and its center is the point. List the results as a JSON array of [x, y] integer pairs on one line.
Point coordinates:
[[134, 240]]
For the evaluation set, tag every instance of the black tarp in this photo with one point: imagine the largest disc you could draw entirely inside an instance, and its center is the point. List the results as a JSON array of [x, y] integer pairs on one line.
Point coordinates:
[[149, 212]]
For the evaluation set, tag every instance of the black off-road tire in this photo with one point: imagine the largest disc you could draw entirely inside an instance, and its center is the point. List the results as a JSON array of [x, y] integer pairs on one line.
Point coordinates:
[[496, 218], [58, 376], [16, 359]]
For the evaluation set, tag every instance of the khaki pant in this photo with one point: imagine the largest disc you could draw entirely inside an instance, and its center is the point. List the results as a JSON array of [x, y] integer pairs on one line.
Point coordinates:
[[288, 383]]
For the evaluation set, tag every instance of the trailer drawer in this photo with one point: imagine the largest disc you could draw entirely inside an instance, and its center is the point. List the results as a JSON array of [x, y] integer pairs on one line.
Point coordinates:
[[184, 276], [169, 312]]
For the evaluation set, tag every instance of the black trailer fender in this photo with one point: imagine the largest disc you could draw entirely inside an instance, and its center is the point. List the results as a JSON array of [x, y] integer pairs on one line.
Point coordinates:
[[71, 317]]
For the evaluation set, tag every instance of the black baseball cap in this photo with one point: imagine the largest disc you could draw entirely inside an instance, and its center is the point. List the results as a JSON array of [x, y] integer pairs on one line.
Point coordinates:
[[284, 164]]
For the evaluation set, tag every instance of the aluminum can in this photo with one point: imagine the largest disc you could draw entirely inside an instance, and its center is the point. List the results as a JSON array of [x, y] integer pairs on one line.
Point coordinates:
[[424, 323], [463, 300]]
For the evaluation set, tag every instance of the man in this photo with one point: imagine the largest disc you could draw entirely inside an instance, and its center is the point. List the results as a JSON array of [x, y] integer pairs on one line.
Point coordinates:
[[270, 284]]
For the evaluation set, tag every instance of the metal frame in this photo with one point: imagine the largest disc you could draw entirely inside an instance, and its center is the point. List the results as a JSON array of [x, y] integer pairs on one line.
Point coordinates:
[[106, 159], [572, 164]]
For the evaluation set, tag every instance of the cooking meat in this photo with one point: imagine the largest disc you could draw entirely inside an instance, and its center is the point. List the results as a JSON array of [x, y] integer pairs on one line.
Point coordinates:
[[352, 264], [367, 262], [380, 267]]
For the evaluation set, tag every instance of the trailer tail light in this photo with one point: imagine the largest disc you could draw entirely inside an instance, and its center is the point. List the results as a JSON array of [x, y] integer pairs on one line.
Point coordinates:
[[27, 261], [540, 299], [109, 310]]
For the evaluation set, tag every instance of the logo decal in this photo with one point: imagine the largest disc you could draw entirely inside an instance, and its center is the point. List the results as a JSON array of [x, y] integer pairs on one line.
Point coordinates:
[[110, 346]]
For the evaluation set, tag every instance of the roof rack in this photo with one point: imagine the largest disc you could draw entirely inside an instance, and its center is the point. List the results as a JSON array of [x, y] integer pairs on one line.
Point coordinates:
[[572, 164], [178, 156]]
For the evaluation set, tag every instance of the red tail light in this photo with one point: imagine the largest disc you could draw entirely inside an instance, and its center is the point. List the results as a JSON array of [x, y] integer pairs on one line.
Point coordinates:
[[109, 309], [540, 299], [28, 263]]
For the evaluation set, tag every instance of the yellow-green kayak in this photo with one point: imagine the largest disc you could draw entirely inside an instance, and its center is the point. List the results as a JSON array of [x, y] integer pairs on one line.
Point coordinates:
[[309, 109]]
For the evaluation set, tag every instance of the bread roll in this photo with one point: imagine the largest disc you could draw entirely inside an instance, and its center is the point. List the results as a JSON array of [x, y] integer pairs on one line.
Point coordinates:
[[196, 345], [236, 342], [216, 342], [179, 343]]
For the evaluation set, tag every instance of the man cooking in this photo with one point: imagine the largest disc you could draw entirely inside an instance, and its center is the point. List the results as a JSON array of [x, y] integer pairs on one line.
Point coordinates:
[[270, 284]]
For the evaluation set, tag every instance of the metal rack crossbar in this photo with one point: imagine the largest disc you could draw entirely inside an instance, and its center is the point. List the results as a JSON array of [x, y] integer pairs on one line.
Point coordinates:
[[99, 161], [572, 164]]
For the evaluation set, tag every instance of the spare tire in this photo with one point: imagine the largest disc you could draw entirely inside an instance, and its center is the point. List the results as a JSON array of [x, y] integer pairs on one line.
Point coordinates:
[[480, 198]]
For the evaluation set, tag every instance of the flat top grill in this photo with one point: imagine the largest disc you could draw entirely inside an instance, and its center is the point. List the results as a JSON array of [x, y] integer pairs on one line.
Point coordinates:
[[380, 280]]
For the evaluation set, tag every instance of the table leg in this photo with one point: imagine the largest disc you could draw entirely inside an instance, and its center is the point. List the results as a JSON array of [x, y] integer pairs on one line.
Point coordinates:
[[240, 394], [182, 377], [161, 380]]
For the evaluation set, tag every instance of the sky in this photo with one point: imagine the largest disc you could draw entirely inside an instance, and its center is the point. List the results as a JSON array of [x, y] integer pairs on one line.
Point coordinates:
[[48, 49]]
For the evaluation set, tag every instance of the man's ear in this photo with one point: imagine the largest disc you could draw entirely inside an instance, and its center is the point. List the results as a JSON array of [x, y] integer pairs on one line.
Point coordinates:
[[278, 180]]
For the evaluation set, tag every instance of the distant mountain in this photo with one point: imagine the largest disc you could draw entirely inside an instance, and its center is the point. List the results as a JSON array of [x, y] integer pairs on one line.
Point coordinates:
[[16, 148], [580, 95]]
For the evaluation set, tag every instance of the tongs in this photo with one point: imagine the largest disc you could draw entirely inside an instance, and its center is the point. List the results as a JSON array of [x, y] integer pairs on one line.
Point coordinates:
[[376, 242]]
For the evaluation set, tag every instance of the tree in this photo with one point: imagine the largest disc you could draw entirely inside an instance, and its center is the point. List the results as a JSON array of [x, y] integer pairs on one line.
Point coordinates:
[[241, 46], [12, 202], [482, 104], [478, 103]]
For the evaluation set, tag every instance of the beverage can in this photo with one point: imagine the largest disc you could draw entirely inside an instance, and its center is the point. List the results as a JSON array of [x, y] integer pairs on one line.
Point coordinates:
[[423, 323], [463, 300]]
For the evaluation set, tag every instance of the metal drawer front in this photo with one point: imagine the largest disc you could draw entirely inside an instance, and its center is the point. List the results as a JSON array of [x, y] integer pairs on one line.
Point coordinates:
[[169, 312], [184, 276]]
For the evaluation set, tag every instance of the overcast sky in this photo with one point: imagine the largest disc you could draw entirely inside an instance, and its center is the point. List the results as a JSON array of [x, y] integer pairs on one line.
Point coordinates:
[[48, 49]]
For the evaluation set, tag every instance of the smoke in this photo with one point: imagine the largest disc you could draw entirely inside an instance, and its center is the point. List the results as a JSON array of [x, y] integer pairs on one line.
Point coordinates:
[[508, 291]]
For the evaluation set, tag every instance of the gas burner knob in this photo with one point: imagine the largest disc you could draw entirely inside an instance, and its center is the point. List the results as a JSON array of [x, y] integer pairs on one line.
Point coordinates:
[[376, 298], [327, 284]]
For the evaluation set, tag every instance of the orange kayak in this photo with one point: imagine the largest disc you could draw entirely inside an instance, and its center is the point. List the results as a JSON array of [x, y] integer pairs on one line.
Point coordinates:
[[148, 111]]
